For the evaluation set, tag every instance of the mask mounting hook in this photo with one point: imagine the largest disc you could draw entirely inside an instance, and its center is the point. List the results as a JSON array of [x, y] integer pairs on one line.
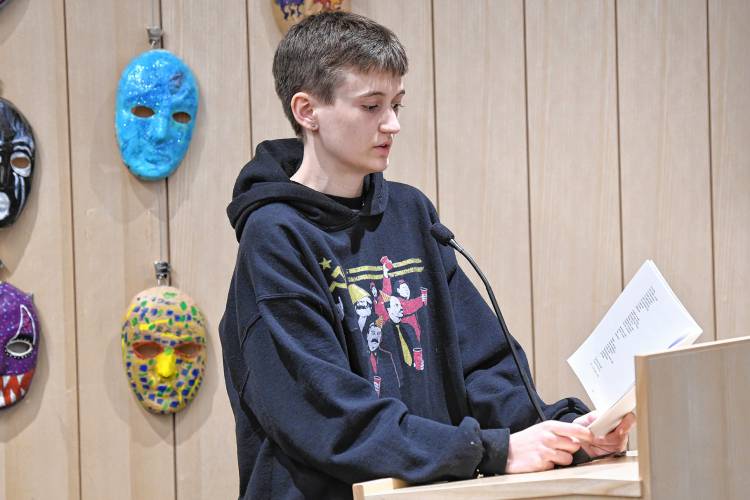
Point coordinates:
[[155, 33], [163, 270]]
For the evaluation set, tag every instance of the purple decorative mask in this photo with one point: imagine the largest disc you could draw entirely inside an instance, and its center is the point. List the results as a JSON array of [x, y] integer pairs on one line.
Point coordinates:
[[19, 344]]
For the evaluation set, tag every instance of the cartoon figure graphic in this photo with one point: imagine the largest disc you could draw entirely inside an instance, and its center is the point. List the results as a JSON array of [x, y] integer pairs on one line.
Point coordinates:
[[384, 375], [407, 344], [362, 306], [410, 306], [339, 309], [386, 321]]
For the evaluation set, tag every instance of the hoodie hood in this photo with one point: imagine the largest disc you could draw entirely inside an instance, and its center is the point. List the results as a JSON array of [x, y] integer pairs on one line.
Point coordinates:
[[265, 179]]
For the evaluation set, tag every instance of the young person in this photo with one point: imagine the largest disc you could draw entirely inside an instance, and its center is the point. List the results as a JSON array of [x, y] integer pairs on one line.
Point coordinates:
[[319, 229]]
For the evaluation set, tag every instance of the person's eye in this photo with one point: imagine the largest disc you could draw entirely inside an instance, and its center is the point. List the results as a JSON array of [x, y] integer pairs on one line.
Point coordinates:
[[370, 107], [397, 107]]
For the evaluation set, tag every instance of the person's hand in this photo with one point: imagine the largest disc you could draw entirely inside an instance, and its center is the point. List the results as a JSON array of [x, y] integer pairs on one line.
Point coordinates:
[[544, 445], [616, 440]]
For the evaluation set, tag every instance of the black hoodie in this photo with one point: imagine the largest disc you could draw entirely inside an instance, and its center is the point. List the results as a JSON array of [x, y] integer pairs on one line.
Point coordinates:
[[354, 346]]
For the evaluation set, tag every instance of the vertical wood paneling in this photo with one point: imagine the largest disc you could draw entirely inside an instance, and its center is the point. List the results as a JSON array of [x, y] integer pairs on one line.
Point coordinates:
[[126, 453], [665, 171], [413, 157], [267, 117], [481, 137], [575, 231], [729, 29], [39, 435], [203, 248]]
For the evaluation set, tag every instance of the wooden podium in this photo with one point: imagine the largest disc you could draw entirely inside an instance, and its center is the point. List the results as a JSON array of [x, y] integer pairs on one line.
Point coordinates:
[[693, 440]]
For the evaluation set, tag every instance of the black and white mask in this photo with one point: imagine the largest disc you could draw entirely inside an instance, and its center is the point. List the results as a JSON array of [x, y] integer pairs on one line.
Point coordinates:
[[16, 162]]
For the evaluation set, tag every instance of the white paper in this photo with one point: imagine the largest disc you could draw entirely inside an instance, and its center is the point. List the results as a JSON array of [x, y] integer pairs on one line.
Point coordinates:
[[646, 317]]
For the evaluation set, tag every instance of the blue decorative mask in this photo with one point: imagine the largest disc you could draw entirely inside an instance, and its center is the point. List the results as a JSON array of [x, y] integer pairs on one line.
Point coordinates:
[[157, 102]]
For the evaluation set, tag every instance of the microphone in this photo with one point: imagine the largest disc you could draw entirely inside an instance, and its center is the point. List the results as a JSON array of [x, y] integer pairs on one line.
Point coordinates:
[[444, 236]]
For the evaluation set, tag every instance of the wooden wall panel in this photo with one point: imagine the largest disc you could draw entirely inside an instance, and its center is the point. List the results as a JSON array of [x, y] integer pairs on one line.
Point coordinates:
[[481, 137], [202, 243], [664, 151], [39, 435], [575, 233], [126, 453], [268, 120], [729, 29], [413, 157]]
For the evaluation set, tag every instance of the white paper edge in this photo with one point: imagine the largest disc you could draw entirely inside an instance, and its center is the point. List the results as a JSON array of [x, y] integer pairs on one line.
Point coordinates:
[[608, 420]]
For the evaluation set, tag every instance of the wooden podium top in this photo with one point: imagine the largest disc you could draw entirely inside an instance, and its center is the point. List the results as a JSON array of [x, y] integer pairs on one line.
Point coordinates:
[[607, 478]]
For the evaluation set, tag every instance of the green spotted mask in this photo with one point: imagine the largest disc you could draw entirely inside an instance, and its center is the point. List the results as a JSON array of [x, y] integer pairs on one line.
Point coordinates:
[[164, 348]]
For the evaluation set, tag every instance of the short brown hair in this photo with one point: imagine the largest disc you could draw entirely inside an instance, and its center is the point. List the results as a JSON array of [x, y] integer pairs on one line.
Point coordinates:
[[314, 53]]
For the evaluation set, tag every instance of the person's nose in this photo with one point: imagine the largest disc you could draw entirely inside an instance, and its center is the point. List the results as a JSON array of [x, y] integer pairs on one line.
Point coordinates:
[[390, 125]]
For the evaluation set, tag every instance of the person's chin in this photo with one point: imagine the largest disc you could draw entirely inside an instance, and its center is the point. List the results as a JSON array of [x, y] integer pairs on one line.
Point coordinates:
[[378, 165]]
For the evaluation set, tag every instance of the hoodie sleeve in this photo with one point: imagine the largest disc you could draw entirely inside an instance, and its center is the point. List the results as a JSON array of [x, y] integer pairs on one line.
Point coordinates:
[[308, 401]]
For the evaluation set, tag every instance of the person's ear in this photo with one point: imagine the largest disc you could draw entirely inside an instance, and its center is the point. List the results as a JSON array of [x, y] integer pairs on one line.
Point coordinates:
[[303, 108]]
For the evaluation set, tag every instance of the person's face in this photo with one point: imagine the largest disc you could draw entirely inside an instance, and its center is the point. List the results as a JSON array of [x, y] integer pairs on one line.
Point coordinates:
[[157, 100], [355, 132], [374, 335], [164, 349], [395, 310], [403, 290]]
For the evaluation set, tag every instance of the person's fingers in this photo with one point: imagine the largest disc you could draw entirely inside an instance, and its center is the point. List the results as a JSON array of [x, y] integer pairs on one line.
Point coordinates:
[[573, 431], [622, 429], [567, 444], [560, 457], [627, 423], [563, 443], [616, 440], [555, 442], [586, 419]]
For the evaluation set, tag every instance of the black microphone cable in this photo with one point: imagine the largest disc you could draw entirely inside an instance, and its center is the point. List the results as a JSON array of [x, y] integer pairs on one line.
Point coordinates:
[[444, 236]]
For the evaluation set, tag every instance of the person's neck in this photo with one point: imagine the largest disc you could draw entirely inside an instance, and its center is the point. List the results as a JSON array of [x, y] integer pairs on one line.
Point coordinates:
[[327, 176]]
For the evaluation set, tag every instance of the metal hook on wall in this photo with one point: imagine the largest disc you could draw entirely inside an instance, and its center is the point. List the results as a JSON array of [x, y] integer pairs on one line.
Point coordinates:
[[163, 270], [155, 33]]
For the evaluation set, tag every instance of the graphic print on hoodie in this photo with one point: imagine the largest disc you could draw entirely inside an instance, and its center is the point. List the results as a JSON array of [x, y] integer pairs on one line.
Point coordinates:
[[386, 329]]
